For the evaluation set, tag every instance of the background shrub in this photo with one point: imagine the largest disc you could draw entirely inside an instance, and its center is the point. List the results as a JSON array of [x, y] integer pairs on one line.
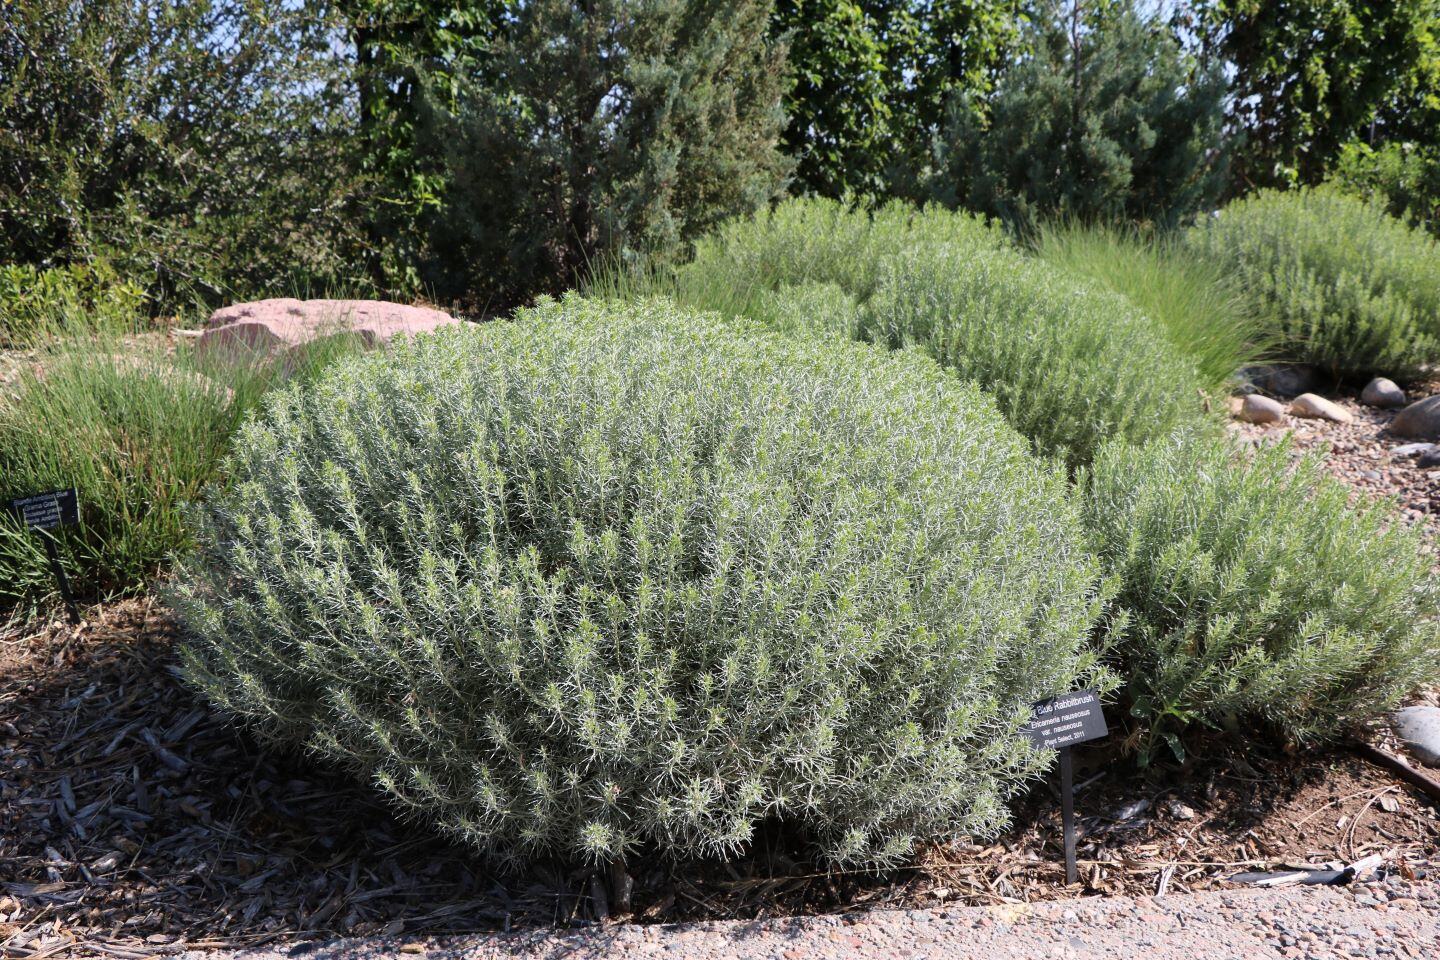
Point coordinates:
[[1070, 364], [203, 149], [1404, 178], [138, 430], [38, 305], [1105, 117], [1341, 284], [740, 264], [1257, 591], [600, 128], [1193, 302], [619, 575]]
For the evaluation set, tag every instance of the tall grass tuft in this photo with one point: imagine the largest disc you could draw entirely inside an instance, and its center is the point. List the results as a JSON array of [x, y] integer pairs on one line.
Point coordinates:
[[138, 427], [1194, 302]]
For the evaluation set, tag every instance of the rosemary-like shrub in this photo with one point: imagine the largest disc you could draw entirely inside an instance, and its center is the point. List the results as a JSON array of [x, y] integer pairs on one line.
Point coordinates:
[[613, 576], [1342, 284], [1256, 591], [1070, 364]]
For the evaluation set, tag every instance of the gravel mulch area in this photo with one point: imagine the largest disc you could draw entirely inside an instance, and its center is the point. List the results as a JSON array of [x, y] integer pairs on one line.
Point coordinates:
[[1363, 455], [133, 822], [1388, 918]]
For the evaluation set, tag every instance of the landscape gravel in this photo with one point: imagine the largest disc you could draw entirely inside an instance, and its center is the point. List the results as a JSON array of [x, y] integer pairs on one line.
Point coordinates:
[[1387, 918], [1362, 453]]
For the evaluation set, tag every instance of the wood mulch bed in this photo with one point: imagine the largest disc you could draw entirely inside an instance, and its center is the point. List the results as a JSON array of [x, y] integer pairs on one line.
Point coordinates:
[[134, 822]]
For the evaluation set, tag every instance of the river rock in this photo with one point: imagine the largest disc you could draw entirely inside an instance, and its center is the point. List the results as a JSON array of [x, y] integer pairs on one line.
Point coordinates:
[[1255, 408], [1315, 407], [1278, 380], [1381, 392], [270, 326], [1420, 420], [1419, 729]]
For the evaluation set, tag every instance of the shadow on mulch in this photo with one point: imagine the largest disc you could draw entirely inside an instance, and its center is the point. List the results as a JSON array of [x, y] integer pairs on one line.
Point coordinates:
[[134, 822]]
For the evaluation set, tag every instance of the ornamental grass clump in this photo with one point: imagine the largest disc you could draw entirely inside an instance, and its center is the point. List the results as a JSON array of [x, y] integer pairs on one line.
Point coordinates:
[[1256, 591], [612, 577], [1342, 284], [1069, 363]]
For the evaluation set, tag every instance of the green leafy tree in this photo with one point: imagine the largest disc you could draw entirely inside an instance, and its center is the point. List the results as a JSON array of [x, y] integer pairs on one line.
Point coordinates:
[[201, 147], [1104, 117], [395, 44], [1309, 75], [597, 129], [871, 78]]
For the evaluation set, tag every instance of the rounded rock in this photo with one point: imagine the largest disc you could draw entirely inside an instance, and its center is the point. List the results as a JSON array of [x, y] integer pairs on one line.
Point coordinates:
[[1420, 420], [1419, 729], [1255, 408], [1315, 407], [1382, 392]]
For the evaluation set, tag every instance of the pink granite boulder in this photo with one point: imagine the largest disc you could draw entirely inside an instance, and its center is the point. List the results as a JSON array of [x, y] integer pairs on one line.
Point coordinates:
[[266, 327]]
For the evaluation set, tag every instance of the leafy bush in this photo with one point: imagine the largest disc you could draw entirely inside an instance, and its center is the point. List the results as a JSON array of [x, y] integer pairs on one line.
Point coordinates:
[[1070, 365], [1341, 284], [617, 575], [1402, 177], [36, 304], [811, 309], [138, 432], [1194, 302], [202, 148], [1257, 591]]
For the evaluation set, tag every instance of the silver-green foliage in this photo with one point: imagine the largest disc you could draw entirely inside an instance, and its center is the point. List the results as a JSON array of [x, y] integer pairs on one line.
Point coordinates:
[[1256, 590], [799, 242], [1070, 364], [1344, 285], [611, 576]]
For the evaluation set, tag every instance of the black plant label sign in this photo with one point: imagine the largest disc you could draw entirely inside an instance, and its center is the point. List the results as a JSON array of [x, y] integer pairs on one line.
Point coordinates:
[[1066, 720], [46, 511]]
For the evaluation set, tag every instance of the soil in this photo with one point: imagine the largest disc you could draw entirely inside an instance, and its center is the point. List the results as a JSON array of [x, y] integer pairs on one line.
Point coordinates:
[[133, 822]]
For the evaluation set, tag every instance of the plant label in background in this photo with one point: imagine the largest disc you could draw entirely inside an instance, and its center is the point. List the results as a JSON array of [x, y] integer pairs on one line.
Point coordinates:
[[1066, 720], [46, 511]]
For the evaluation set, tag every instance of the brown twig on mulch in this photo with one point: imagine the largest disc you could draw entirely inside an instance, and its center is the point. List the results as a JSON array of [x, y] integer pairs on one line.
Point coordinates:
[[134, 822]]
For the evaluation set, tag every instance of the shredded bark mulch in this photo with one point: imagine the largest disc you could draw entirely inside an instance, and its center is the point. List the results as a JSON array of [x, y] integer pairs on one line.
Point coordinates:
[[134, 822]]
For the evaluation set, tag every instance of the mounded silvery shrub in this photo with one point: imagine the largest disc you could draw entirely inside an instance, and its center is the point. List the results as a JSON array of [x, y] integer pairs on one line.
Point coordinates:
[[619, 576], [1342, 284], [1256, 591], [1070, 364]]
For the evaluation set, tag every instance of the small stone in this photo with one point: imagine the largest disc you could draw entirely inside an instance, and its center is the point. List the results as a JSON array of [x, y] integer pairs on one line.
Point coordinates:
[[1255, 408], [1381, 392], [1419, 729], [1420, 420], [1315, 407], [1181, 810], [1412, 449]]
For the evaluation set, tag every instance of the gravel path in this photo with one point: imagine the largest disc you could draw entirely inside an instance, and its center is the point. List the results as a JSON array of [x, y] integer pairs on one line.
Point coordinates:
[[1382, 919]]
